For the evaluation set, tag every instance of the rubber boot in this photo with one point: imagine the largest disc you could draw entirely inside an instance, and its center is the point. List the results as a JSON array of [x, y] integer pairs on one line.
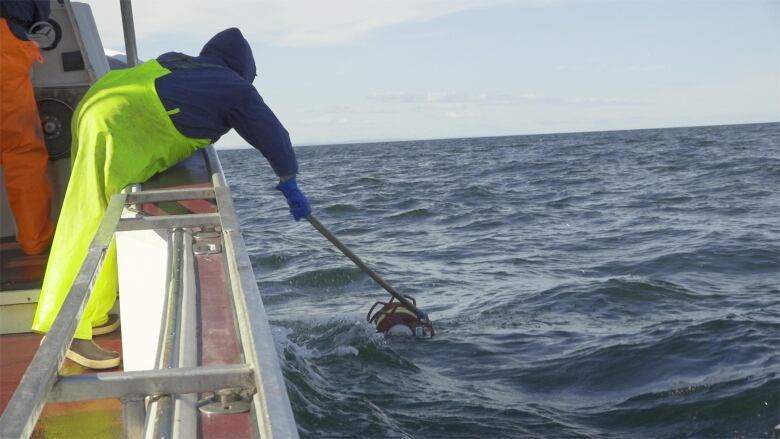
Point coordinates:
[[88, 354], [111, 325]]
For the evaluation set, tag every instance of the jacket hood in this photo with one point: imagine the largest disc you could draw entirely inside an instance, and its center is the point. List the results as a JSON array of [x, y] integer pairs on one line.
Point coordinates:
[[231, 47]]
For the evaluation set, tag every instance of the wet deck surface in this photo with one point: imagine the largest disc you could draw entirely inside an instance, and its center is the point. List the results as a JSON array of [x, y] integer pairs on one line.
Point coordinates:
[[90, 419]]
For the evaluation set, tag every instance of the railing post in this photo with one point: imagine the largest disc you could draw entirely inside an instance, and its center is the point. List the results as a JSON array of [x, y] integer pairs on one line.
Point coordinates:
[[128, 29], [133, 416]]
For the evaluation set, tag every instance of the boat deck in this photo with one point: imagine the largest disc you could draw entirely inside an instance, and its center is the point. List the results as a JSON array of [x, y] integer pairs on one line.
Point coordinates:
[[92, 419], [102, 418], [218, 343]]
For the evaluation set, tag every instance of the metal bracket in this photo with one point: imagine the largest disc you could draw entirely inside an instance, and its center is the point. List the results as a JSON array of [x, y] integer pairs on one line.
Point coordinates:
[[134, 207], [208, 248], [208, 240], [226, 401], [209, 231]]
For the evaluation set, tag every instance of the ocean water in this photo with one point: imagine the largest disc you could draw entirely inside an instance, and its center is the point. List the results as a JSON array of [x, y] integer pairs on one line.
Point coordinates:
[[595, 285]]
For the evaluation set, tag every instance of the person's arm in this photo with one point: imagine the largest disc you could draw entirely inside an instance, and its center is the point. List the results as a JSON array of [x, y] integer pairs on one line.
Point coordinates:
[[254, 121]]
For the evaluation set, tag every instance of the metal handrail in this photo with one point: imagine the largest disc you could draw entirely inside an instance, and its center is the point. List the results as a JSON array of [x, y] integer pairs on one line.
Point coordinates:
[[27, 402], [178, 349], [271, 409], [161, 422], [185, 406], [110, 385], [271, 405]]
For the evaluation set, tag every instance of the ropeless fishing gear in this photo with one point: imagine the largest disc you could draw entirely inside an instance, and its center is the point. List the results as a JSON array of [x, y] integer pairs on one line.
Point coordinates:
[[398, 316], [396, 319]]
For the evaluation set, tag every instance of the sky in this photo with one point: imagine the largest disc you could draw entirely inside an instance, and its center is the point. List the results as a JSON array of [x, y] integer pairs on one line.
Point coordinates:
[[371, 70]]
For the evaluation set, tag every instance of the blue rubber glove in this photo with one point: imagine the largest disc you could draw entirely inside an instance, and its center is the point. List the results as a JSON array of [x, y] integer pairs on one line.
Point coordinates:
[[299, 205]]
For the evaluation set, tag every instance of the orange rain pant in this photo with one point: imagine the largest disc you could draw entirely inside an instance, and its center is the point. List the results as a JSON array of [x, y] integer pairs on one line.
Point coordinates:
[[23, 152]]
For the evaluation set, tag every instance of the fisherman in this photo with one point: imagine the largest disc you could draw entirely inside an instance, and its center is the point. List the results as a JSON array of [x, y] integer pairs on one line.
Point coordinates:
[[133, 123], [23, 152]]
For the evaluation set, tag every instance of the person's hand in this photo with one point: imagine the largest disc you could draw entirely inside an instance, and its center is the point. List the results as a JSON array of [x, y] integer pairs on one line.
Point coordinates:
[[299, 205]]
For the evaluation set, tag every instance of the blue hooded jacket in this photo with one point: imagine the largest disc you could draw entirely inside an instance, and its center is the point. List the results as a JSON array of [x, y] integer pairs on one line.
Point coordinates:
[[214, 93]]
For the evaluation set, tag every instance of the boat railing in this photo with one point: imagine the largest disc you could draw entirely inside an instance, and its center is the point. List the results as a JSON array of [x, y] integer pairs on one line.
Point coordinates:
[[153, 399]]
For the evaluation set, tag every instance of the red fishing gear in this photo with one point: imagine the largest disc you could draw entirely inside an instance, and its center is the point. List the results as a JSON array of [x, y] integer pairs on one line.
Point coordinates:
[[393, 318]]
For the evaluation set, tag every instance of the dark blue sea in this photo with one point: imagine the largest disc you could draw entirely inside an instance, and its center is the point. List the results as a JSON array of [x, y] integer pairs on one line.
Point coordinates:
[[619, 284]]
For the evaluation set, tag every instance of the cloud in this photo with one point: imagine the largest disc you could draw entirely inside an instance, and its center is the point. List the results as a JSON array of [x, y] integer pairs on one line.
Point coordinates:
[[460, 114], [442, 100], [611, 68], [280, 22], [325, 119]]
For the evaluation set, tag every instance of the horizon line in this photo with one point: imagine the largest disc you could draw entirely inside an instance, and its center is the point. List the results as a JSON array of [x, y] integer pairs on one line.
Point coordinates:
[[400, 140]]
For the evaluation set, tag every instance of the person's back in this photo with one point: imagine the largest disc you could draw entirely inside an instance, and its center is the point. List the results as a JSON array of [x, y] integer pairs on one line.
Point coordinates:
[[213, 92]]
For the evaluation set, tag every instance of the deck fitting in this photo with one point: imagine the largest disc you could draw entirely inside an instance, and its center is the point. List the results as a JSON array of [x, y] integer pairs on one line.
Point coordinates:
[[207, 248], [224, 402]]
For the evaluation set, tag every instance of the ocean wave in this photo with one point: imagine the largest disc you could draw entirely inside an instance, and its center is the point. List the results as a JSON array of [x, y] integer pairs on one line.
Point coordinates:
[[604, 285], [324, 278], [652, 360], [411, 214], [339, 209], [738, 407]]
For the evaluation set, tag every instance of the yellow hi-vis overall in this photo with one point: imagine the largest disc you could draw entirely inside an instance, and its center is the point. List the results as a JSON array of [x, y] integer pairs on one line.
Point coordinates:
[[122, 134]]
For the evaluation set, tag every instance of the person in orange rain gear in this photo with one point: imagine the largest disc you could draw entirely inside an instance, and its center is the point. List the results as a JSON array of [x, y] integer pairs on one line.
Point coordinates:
[[23, 154]]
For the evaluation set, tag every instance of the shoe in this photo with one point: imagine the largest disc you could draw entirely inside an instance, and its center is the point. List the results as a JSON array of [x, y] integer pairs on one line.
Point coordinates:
[[110, 326], [92, 356]]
